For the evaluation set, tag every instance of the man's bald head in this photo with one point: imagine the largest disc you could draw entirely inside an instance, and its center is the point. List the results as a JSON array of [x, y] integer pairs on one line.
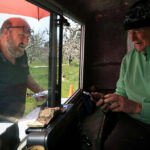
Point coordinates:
[[14, 23]]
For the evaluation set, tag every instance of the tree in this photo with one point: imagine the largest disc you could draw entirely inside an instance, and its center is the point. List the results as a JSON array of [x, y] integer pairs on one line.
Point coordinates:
[[71, 43], [38, 47]]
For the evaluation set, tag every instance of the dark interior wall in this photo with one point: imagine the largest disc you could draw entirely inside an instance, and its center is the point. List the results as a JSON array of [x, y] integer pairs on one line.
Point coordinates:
[[105, 46]]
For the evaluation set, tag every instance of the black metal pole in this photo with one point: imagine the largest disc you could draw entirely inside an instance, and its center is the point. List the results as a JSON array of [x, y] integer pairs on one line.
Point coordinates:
[[52, 61]]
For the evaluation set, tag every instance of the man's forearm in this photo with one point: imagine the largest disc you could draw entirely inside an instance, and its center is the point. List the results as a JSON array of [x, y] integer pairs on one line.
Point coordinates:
[[32, 85]]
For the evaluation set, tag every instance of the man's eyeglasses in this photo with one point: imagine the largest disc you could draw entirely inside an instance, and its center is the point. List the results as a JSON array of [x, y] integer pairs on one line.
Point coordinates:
[[25, 28]]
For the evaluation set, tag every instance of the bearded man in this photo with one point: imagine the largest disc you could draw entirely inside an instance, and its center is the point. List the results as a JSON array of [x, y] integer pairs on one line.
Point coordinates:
[[14, 70]]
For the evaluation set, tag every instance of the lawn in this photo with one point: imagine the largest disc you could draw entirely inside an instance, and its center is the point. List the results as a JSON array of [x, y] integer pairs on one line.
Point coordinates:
[[40, 74]]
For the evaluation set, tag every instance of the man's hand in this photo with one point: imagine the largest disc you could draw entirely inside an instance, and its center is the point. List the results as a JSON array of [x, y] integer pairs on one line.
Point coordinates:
[[33, 86], [41, 98], [118, 103], [43, 95]]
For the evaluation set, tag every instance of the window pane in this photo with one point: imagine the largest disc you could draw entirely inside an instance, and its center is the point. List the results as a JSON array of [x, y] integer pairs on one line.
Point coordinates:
[[24, 57], [71, 59]]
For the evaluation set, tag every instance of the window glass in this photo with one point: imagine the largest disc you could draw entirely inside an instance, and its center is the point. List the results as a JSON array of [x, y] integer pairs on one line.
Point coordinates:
[[24, 59], [71, 59], [24, 64]]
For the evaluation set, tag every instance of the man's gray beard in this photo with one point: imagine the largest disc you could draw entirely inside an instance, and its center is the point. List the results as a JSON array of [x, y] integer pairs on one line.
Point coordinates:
[[10, 51]]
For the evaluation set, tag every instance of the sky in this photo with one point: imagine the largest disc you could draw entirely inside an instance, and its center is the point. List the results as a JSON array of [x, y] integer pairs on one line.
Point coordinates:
[[35, 24]]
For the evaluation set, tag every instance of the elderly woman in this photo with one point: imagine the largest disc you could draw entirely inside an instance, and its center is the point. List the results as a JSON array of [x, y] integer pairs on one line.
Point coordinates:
[[132, 96]]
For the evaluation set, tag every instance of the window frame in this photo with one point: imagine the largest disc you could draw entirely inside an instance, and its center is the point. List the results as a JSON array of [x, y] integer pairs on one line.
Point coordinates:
[[54, 94]]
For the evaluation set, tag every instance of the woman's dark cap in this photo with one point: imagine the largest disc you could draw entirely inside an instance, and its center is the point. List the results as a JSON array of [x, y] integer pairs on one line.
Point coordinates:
[[138, 15]]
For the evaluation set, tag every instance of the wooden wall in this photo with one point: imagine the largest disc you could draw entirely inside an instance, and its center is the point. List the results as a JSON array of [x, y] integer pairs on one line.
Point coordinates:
[[105, 46]]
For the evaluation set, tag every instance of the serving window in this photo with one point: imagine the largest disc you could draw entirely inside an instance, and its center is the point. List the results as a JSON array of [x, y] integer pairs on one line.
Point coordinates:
[[55, 59]]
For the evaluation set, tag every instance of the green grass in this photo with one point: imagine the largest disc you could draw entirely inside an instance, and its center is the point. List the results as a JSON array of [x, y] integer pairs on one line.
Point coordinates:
[[71, 77], [40, 75]]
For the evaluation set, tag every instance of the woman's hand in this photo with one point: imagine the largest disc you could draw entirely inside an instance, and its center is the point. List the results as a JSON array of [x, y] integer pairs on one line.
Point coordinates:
[[98, 98], [118, 103]]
